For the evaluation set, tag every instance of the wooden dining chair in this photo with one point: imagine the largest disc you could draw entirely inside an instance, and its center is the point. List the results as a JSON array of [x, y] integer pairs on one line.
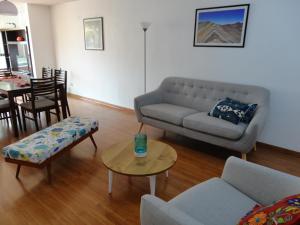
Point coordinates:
[[47, 72], [40, 88], [5, 112], [62, 77]]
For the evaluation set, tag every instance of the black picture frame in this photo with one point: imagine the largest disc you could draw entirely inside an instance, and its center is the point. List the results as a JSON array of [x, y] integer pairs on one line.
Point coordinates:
[[214, 30], [93, 29]]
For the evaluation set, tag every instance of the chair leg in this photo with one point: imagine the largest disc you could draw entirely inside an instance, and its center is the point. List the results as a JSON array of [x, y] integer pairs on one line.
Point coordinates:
[[6, 117], [24, 119], [141, 127], [244, 156], [68, 109], [49, 173], [57, 113], [94, 143], [35, 117], [19, 119], [18, 171], [48, 117]]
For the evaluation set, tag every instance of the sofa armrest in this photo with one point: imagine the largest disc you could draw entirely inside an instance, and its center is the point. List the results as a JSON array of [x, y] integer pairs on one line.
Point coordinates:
[[262, 184], [150, 98], [257, 123], [255, 127], [155, 211]]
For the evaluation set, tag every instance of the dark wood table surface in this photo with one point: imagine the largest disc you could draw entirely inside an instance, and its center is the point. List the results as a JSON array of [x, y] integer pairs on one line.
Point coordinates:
[[12, 90]]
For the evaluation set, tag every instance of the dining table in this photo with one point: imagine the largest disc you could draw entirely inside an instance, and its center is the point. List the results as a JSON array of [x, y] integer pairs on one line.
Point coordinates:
[[16, 86]]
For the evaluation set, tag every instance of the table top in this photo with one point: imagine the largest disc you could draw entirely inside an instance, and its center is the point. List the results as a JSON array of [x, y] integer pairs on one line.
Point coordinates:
[[120, 158], [10, 86], [17, 84], [13, 83]]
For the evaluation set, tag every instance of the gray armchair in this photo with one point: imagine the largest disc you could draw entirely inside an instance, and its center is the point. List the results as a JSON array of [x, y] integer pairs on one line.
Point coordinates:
[[221, 200], [181, 105]]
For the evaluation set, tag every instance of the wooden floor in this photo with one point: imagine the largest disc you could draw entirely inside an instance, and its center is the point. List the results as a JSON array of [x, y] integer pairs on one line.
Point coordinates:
[[78, 194]]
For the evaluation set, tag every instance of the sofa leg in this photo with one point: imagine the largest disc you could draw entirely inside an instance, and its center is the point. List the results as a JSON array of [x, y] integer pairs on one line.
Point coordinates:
[[255, 147], [244, 156], [141, 127]]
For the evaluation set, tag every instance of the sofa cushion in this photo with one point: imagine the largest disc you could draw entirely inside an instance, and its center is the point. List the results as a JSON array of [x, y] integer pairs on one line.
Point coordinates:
[[214, 202], [211, 125], [167, 112]]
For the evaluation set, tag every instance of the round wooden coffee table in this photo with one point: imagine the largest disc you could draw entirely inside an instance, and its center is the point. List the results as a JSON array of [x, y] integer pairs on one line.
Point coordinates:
[[120, 159]]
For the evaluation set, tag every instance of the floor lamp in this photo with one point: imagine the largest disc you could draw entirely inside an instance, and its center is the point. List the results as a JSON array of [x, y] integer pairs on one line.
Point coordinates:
[[145, 26]]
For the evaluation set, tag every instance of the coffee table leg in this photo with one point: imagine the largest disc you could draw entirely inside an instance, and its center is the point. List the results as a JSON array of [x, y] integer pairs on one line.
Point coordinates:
[[152, 184], [110, 180]]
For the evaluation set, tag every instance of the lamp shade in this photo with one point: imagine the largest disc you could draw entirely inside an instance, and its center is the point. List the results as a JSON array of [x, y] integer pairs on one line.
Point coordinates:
[[8, 9], [145, 25]]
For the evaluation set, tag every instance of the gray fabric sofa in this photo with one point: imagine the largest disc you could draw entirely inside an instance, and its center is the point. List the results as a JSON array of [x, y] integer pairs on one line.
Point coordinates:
[[181, 105], [221, 201]]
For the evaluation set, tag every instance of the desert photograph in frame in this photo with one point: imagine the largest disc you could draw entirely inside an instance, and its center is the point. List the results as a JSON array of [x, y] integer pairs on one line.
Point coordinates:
[[93, 33], [221, 26]]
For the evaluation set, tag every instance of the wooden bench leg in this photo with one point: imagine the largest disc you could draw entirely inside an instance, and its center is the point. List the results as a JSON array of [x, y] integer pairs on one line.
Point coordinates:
[[18, 171], [49, 173], [94, 143]]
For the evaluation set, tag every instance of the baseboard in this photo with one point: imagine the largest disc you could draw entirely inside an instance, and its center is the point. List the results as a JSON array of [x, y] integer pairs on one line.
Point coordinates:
[[106, 104], [277, 148], [128, 110]]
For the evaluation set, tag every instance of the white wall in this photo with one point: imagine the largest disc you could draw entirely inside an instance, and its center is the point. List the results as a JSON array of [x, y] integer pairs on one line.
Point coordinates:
[[270, 58], [41, 37]]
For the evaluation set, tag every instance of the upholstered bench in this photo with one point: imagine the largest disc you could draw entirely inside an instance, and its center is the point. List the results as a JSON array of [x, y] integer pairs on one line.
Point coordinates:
[[40, 149]]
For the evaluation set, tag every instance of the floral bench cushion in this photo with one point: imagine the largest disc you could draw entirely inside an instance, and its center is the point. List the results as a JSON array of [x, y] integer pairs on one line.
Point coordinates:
[[40, 146]]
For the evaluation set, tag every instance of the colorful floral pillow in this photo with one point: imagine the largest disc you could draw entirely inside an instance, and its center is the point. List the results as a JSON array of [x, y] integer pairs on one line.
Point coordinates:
[[285, 211]]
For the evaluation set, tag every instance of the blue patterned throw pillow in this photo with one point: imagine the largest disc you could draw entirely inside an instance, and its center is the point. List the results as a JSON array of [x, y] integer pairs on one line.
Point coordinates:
[[233, 111], [249, 110]]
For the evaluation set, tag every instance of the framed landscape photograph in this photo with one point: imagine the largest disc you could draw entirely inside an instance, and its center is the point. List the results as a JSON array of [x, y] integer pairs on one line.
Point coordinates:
[[221, 26], [93, 33]]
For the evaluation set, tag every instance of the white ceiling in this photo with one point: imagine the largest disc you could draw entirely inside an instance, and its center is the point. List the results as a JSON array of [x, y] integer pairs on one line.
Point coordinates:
[[43, 2]]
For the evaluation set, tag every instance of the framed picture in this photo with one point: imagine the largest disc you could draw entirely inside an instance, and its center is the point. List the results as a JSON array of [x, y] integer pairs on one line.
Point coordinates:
[[93, 33], [221, 26]]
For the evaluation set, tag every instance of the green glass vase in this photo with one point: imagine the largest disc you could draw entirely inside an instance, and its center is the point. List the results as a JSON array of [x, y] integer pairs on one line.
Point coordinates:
[[140, 145]]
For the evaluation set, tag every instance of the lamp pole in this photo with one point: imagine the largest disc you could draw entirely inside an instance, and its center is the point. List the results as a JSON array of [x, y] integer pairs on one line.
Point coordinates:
[[145, 26]]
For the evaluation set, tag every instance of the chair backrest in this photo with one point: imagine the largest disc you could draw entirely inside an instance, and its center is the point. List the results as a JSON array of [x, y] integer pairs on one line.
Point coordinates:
[[43, 87], [61, 77], [5, 73], [47, 72]]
